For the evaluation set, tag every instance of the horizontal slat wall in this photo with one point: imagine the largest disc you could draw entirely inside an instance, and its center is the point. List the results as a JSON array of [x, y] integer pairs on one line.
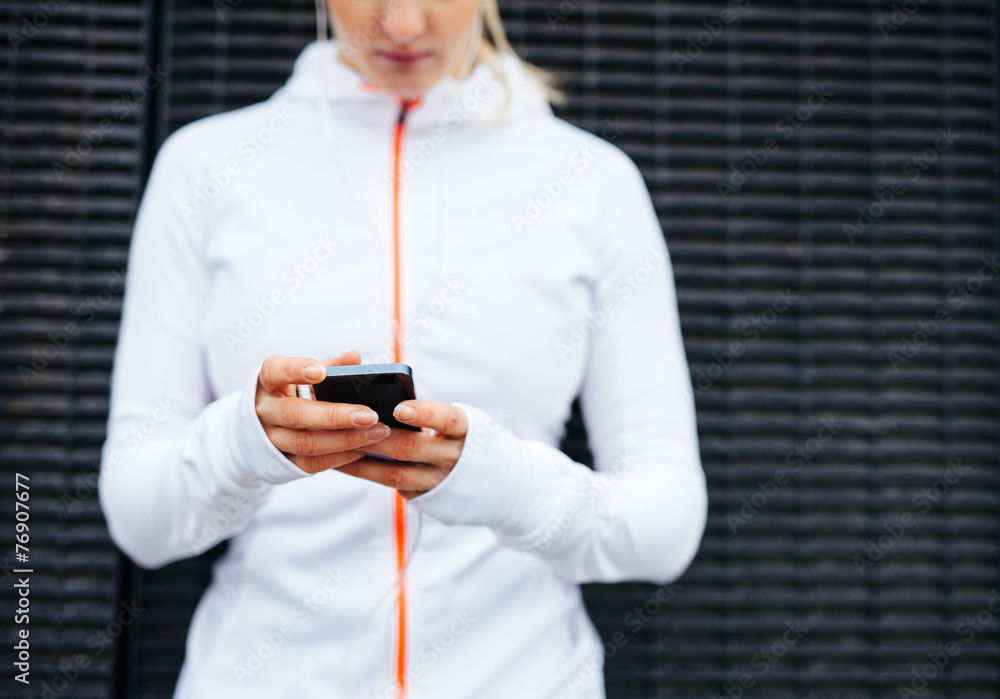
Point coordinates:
[[813, 373], [229, 54], [72, 152]]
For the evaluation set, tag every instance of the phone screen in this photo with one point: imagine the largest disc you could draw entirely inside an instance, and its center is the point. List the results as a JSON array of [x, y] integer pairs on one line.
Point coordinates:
[[379, 386]]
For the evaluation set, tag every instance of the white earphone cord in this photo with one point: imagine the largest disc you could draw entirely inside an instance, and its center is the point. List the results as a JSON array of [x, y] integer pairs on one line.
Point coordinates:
[[322, 22], [371, 615]]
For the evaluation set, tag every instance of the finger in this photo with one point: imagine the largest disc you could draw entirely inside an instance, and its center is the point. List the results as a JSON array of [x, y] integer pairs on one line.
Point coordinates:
[[345, 359], [303, 413], [417, 447], [443, 418], [291, 441], [314, 463], [406, 477], [279, 371]]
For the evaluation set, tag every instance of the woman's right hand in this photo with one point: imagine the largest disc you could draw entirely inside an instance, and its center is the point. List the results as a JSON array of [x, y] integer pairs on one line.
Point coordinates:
[[314, 435]]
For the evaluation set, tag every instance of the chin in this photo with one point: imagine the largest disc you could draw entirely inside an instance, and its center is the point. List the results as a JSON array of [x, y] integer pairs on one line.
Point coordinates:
[[406, 83], [407, 88]]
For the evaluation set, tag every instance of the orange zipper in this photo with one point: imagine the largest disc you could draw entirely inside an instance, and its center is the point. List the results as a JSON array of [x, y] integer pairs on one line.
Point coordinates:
[[399, 509]]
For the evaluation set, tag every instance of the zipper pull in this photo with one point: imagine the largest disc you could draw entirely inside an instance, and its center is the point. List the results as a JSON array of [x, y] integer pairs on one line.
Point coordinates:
[[405, 107]]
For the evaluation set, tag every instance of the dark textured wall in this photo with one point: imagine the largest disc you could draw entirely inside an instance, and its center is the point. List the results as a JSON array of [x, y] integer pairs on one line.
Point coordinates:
[[826, 176]]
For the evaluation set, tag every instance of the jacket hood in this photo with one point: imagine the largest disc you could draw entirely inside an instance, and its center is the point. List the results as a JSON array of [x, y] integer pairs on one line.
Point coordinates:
[[477, 100]]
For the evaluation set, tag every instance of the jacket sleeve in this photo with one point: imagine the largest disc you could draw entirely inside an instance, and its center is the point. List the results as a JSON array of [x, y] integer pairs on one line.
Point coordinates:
[[641, 514], [179, 472]]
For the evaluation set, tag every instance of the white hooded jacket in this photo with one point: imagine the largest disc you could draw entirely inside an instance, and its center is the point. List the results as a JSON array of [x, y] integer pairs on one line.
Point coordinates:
[[532, 268]]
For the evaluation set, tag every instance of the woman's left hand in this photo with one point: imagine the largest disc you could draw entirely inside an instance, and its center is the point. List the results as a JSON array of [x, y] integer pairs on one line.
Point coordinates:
[[428, 456]]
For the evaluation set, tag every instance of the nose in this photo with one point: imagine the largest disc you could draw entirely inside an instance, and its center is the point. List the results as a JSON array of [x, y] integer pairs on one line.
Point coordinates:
[[404, 21]]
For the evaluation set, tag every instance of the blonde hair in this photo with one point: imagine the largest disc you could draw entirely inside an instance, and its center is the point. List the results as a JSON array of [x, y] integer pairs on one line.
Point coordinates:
[[496, 44]]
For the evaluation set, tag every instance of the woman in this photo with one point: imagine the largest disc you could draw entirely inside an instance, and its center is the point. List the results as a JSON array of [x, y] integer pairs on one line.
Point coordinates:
[[406, 196]]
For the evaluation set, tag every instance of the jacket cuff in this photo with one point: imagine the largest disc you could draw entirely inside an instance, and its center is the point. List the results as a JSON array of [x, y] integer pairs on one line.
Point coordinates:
[[257, 460], [512, 485]]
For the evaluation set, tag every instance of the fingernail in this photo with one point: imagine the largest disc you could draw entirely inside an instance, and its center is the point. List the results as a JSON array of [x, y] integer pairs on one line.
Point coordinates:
[[404, 412], [314, 372], [364, 417], [377, 432]]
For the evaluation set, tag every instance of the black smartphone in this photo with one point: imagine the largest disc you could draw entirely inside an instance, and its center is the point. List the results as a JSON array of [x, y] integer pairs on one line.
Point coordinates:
[[379, 386]]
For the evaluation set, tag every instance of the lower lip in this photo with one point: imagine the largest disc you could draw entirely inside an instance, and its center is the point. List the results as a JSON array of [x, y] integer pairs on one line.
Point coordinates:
[[403, 62]]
